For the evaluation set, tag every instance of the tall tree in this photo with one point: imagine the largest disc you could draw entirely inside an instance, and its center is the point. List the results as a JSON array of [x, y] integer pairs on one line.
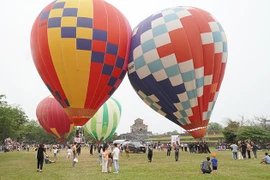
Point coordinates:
[[31, 132], [5, 125], [214, 126], [262, 121], [230, 131], [12, 119], [2, 102], [253, 133]]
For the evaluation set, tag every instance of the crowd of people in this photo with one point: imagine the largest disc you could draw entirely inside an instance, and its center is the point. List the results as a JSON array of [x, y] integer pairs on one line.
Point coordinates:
[[109, 154], [243, 149]]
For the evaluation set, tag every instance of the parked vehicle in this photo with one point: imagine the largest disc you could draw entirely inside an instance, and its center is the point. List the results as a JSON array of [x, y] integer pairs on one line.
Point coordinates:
[[119, 141], [135, 147]]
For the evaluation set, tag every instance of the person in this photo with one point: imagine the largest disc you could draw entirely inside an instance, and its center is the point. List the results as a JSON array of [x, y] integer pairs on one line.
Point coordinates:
[[69, 152], [207, 150], [206, 166], [100, 155], [121, 149], [240, 155], [254, 150], [91, 149], [127, 150], [115, 154], [244, 150], [78, 149], [214, 162], [169, 148], [110, 160], [48, 161], [266, 159], [105, 158], [74, 150], [248, 150], [176, 151], [55, 153], [234, 148], [150, 153], [182, 147], [40, 157]]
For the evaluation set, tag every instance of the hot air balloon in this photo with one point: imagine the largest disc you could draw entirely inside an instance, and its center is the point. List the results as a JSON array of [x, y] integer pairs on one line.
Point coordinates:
[[176, 65], [52, 117], [104, 123], [80, 49]]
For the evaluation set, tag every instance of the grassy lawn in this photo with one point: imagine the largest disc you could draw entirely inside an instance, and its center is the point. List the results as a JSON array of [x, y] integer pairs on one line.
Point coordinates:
[[22, 165]]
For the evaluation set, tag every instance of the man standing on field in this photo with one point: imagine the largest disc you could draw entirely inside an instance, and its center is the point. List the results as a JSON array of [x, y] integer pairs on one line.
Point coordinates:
[[116, 152], [234, 148]]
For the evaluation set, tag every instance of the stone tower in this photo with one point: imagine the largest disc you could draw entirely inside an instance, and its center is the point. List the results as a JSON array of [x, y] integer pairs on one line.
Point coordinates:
[[139, 127]]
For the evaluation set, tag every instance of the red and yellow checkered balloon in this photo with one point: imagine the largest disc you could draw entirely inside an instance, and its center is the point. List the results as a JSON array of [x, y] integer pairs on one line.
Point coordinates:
[[80, 49]]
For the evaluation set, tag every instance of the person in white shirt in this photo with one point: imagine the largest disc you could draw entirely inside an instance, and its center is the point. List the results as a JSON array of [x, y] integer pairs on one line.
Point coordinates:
[[234, 148], [116, 152], [69, 152], [55, 150]]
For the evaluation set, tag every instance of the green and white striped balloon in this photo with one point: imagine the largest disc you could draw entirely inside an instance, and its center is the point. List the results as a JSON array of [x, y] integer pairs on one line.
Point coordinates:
[[104, 123]]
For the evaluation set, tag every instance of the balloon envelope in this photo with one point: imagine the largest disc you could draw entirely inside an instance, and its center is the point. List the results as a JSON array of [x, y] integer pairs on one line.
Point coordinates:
[[176, 65], [104, 123], [52, 117], [80, 49]]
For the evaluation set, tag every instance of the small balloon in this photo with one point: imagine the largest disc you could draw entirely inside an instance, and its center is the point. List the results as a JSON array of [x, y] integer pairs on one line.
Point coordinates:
[[52, 117], [104, 123]]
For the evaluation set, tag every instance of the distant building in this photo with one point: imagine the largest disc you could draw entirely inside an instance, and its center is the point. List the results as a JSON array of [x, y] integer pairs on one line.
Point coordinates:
[[139, 127], [138, 131]]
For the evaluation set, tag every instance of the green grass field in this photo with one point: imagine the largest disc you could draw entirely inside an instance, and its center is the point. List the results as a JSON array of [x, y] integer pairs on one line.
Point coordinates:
[[22, 165]]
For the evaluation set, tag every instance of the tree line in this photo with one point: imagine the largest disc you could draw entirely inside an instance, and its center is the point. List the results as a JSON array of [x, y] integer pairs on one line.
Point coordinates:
[[15, 124], [256, 129]]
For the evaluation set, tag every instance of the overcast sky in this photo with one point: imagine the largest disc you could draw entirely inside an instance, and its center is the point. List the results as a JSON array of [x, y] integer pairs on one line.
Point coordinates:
[[245, 90]]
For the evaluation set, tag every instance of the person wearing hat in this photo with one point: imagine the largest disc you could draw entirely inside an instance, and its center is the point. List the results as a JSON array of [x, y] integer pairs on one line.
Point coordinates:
[[214, 162]]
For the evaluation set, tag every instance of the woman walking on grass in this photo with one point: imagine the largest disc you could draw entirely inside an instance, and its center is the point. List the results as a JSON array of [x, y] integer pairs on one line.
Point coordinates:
[[105, 157], [40, 157]]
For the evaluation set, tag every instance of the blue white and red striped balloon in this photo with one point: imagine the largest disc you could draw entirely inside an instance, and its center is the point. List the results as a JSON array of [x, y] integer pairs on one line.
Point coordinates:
[[177, 62]]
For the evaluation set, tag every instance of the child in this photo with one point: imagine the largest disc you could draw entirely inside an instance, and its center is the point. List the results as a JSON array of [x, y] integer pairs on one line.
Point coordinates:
[[214, 163], [110, 160], [55, 153], [69, 152], [47, 160]]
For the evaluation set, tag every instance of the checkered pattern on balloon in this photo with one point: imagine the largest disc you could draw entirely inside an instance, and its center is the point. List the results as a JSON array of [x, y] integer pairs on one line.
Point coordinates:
[[176, 66]]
